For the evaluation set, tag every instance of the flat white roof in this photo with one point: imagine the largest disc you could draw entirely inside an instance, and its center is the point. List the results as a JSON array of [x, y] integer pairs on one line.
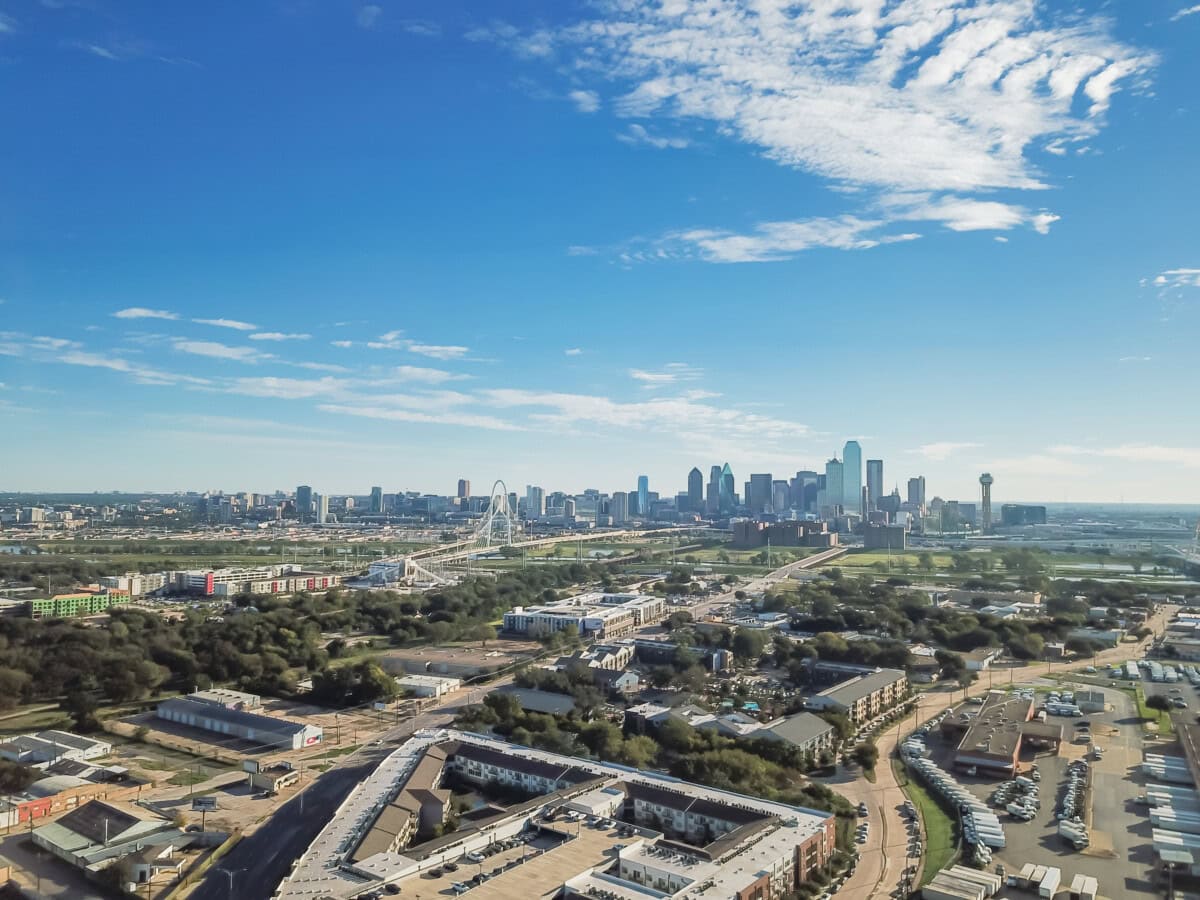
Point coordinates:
[[318, 871]]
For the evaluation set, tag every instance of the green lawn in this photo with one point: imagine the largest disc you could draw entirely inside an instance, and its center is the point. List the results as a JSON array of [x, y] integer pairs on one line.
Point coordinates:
[[940, 843], [1162, 717]]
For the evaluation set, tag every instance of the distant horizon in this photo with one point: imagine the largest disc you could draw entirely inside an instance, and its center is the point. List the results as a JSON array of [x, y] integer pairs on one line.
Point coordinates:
[[1051, 505]]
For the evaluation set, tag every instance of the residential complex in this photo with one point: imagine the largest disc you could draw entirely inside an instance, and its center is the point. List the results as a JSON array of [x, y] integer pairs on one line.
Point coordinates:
[[864, 696], [81, 603], [597, 615], [648, 835]]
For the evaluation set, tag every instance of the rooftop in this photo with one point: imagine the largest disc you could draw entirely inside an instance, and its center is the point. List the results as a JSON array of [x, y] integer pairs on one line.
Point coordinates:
[[996, 730], [256, 721], [856, 689]]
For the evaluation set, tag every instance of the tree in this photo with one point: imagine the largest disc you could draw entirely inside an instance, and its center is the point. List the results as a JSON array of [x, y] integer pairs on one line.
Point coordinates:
[[748, 644], [866, 755], [925, 561], [1159, 702], [639, 751]]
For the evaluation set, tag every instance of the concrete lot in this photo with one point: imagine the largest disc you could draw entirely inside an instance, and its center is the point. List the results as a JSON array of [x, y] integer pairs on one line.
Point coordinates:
[[1119, 856], [36, 870]]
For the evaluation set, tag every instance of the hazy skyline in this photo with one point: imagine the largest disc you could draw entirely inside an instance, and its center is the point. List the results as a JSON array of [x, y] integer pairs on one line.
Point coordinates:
[[569, 243]]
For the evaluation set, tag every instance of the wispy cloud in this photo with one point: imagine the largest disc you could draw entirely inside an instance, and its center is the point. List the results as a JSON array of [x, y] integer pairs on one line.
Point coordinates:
[[1186, 11], [439, 351], [689, 421], [637, 134], [771, 241], [928, 97], [392, 340], [581, 250], [278, 336], [342, 344], [226, 323], [215, 350], [1175, 278], [368, 16], [8, 24], [585, 101], [141, 312], [671, 373], [421, 27], [465, 420], [1134, 359], [939, 450], [573, 351]]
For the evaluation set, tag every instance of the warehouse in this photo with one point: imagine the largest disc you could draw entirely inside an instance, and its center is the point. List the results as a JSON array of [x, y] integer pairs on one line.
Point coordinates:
[[993, 740], [258, 729]]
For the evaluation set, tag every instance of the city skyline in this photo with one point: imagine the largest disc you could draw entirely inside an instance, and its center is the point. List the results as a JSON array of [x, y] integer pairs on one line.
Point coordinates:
[[549, 245]]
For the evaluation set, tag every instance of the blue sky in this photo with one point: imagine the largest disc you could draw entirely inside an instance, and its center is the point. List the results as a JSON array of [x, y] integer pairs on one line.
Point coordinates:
[[244, 246]]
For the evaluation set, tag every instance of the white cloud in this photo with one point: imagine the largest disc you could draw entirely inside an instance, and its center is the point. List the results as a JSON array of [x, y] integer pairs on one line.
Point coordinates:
[[140, 312], [226, 323], [320, 367], [1134, 359], [342, 344], [1186, 11], [1175, 278], [368, 16], [421, 27], [438, 351], [429, 376], [933, 97], [585, 101], [281, 336], [288, 388], [573, 351], [581, 250], [7, 26], [772, 241], [690, 423], [142, 374], [939, 450], [671, 373], [215, 350], [637, 134], [467, 420]]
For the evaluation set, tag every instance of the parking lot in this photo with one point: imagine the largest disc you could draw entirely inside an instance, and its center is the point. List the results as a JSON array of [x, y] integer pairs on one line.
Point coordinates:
[[1119, 854]]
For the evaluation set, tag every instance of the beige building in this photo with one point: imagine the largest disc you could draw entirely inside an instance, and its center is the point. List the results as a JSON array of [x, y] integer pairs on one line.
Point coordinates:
[[864, 697]]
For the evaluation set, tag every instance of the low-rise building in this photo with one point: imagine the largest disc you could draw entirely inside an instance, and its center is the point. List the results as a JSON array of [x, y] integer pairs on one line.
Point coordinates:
[[81, 603], [864, 697], [428, 685], [102, 832], [235, 723], [48, 747], [595, 615], [808, 732]]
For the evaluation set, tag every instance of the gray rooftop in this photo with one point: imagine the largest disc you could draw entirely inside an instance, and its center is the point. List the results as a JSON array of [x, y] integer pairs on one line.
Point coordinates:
[[256, 721], [800, 728], [852, 691]]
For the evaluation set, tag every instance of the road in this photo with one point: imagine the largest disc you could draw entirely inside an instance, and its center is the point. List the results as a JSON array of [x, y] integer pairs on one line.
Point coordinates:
[[263, 858], [881, 860]]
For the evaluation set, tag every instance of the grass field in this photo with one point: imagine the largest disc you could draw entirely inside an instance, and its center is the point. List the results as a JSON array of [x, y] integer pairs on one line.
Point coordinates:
[[1158, 716], [941, 846]]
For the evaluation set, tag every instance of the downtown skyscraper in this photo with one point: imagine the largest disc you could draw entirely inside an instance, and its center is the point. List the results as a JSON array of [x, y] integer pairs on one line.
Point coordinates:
[[852, 477]]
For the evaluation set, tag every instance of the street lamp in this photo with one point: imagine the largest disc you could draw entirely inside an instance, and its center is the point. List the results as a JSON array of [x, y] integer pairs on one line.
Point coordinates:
[[229, 873]]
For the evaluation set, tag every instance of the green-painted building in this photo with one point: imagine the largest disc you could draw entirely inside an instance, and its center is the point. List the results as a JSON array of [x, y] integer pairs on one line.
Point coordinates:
[[84, 603]]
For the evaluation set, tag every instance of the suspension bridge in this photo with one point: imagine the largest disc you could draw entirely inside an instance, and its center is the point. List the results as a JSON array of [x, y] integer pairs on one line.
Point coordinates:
[[499, 528]]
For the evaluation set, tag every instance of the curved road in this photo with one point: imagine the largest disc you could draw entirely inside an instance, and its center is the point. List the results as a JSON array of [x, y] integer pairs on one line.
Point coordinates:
[[882, 859]]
